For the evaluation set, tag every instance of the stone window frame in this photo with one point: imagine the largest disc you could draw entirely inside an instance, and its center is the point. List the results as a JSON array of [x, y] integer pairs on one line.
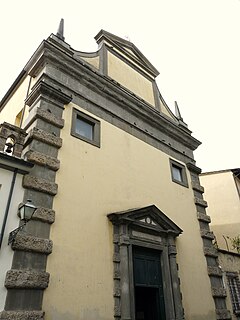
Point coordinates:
[[92, 121], [132, 228], [182, 168], [234, 290]]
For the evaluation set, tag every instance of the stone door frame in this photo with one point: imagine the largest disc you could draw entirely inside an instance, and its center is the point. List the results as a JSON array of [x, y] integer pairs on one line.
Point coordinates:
[[146, 227]]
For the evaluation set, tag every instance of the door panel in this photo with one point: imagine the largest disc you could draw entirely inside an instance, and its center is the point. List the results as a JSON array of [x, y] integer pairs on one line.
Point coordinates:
[[149, 300]]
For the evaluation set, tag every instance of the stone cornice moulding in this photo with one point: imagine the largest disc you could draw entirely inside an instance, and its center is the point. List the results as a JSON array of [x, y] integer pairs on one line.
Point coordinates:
[[11, 163], [146, 128], [41, 89], [193, 168], [106, 86]]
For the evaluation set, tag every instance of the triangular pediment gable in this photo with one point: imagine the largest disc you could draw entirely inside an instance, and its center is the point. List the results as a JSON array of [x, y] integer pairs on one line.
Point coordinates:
[[149, 217], [128, 49]]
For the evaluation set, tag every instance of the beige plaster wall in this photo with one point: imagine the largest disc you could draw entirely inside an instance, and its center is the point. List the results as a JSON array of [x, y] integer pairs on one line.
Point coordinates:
[[165, 110], [124, 173], [6, 252], [93, 61], [223, 205], [129, 78], [15, 104], [134, 62]]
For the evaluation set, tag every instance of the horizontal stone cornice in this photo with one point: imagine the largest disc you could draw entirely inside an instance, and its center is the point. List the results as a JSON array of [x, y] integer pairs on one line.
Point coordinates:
[[95, 81], [123, 118], [22, 315], [43, 160], [193, 168], [43, 136], [44, 215], [27, 279], [39, 184], [32, 244], [42, 88], [11, 163]]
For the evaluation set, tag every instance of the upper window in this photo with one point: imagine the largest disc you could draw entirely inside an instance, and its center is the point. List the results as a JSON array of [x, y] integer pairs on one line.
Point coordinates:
[[85, 128], [178, 172]]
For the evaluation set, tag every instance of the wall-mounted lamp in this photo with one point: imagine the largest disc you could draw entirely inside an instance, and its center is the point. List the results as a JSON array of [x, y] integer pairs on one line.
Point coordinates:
[[25, 212]]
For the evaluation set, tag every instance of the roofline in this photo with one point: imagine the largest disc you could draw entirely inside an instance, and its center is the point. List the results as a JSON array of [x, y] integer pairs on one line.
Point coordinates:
[[112, 37], [235, 171], [229, 252], [12, 88], [20, 78], [11, 163]]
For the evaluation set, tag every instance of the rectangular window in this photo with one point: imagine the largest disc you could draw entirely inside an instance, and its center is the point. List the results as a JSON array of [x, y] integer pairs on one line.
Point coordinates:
[[234, 287], [178, 172], [86, 128]]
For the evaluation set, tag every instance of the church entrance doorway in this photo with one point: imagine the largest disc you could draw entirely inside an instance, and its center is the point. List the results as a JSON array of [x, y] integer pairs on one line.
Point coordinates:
[[148, 284]]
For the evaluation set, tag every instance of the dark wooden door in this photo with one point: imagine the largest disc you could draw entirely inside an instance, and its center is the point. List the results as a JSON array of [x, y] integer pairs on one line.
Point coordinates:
[[148, 285]]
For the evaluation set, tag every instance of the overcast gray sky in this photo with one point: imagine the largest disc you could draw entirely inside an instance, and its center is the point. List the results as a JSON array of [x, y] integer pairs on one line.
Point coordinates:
[[193, 43]]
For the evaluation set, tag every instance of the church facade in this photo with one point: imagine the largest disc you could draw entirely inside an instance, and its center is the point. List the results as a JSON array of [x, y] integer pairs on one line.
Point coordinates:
[[120, 230]]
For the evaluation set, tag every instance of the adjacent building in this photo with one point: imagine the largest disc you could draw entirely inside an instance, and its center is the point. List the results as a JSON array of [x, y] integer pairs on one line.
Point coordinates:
[[121, 230], [222, 192]]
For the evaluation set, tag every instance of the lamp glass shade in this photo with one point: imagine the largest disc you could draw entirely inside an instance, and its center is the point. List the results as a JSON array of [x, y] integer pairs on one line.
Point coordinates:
[[27, 210]]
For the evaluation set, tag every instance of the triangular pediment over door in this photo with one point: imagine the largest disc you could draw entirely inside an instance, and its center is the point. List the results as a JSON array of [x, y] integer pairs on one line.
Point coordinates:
[[150, 218]]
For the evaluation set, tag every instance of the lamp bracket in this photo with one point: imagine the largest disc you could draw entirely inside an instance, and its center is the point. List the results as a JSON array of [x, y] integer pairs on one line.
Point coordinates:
[[13, 234]]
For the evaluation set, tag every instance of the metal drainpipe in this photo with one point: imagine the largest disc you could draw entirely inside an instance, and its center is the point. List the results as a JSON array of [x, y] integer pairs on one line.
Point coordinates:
[[8, 205]]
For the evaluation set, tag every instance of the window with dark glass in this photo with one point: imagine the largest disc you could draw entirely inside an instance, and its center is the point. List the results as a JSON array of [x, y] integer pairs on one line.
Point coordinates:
[[178, 173], [85, 127]]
